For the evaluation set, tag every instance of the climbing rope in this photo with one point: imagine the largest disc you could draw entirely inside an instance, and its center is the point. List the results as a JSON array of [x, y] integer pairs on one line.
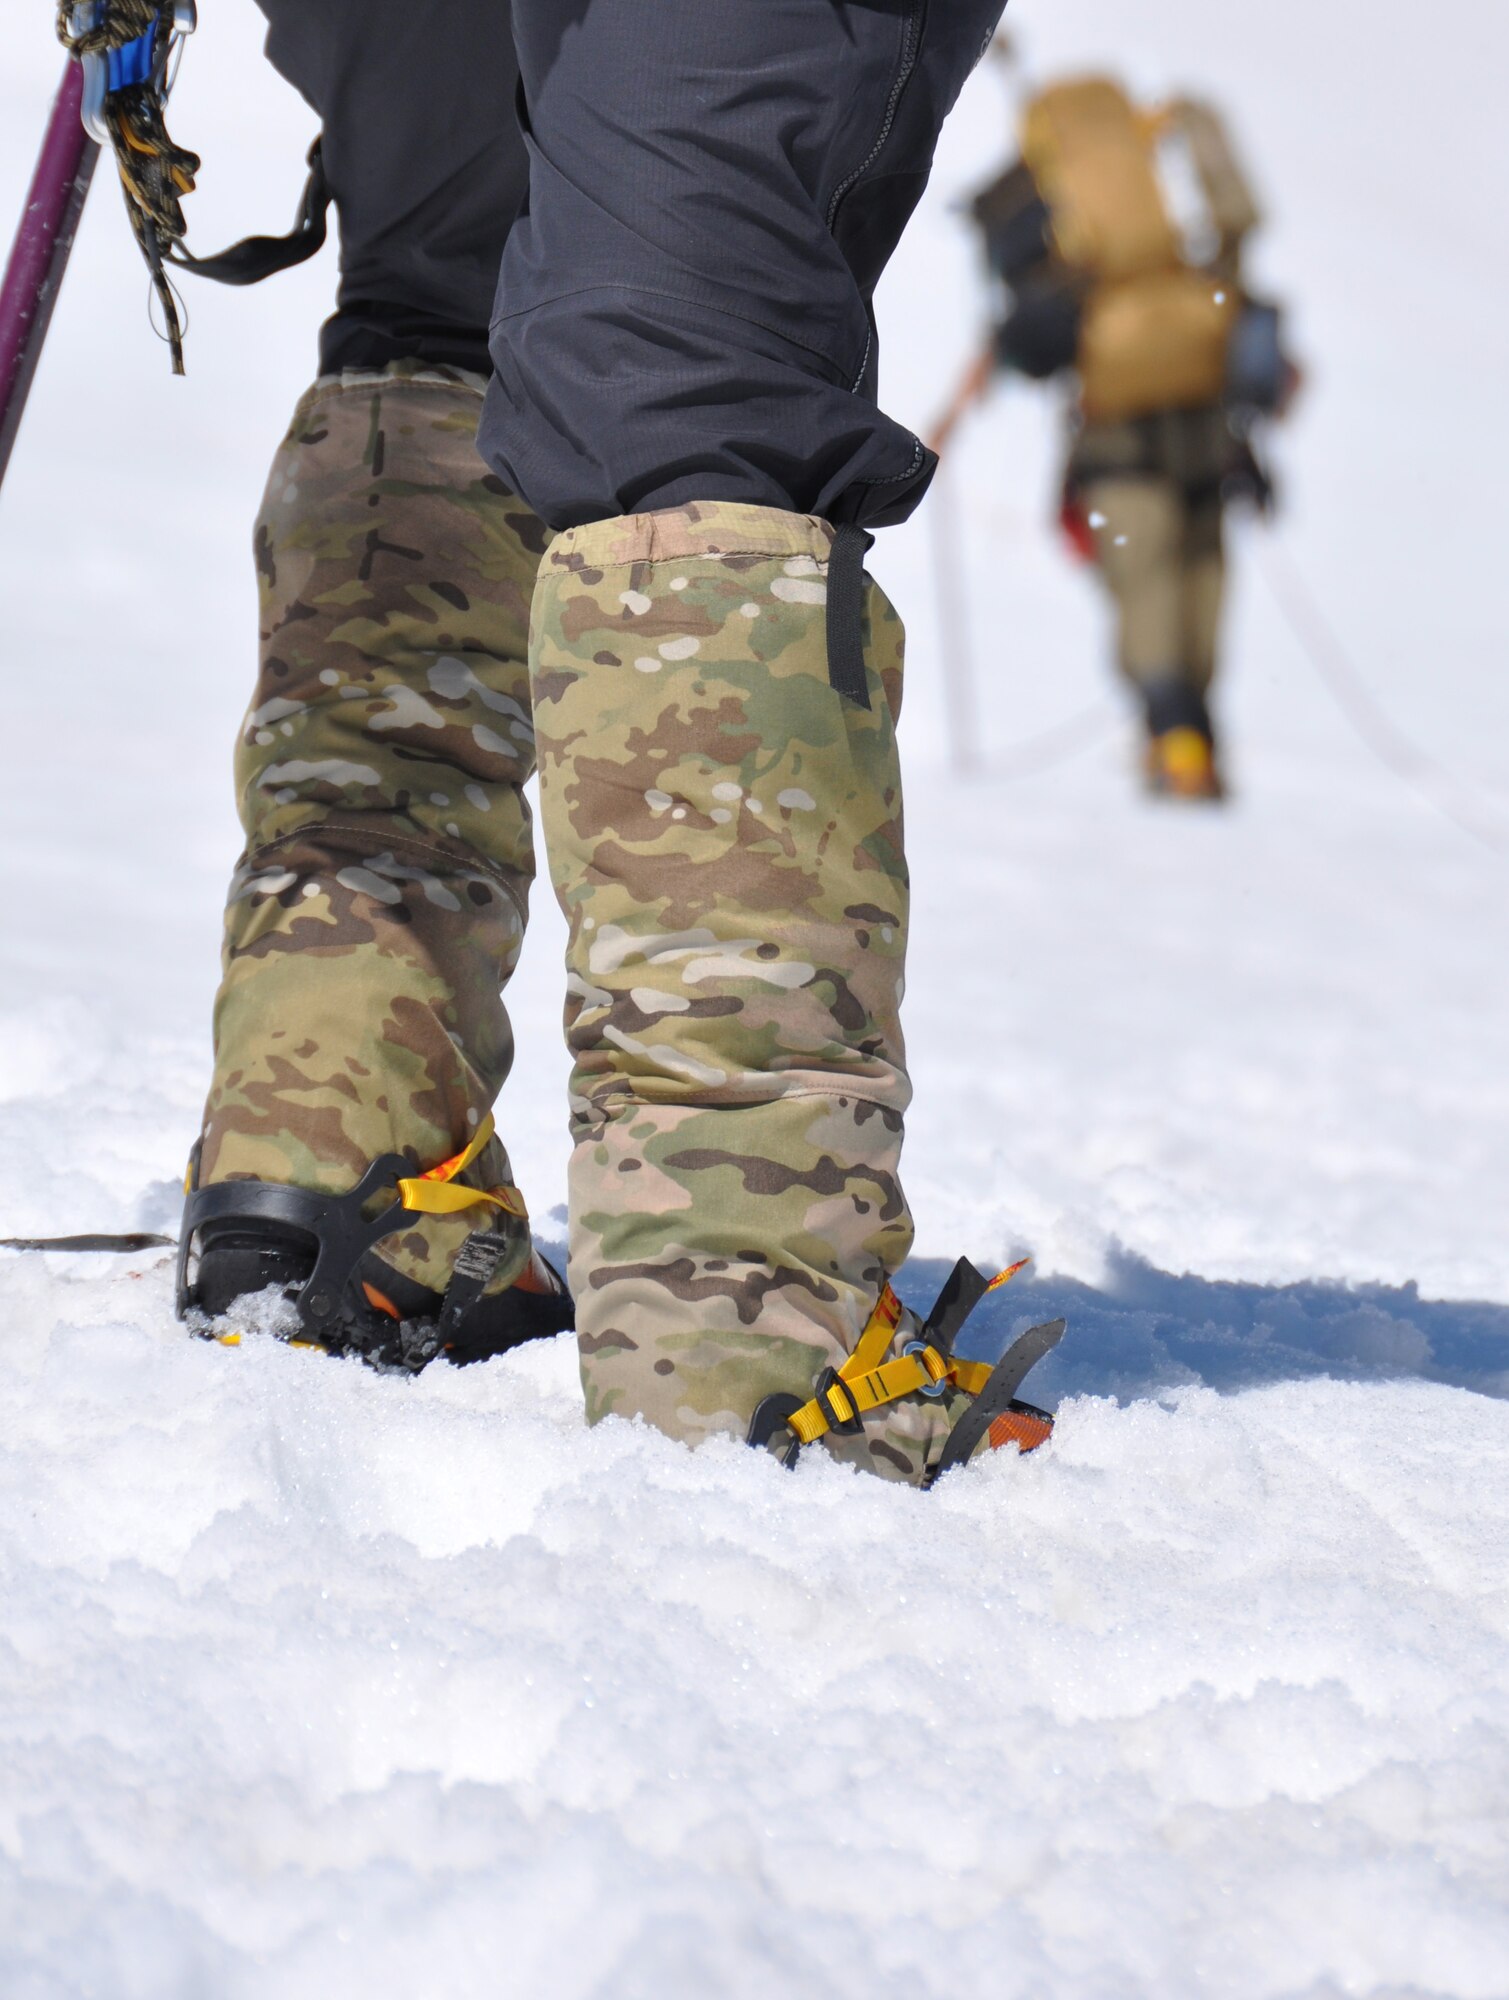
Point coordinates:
[[1030, 756], [1333, 666], [129, 50]]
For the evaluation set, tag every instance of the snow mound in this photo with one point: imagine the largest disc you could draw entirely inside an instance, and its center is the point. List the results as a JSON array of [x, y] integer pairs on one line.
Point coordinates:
[[315, 1682]]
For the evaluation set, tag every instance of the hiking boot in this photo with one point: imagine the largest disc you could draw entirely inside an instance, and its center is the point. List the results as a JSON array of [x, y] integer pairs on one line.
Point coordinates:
[[1181, 764], [246, 1238], [379, 908], [1180, 758]]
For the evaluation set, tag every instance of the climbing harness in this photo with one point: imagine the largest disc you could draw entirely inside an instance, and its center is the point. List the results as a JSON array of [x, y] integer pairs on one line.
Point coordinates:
[[927, 1366]]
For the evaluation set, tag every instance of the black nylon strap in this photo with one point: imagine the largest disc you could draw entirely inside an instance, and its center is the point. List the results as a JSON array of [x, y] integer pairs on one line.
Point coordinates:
[[476, 1260], [257, 257], [962, 1292], [846, 614], [998, 1395], [773, 1414]]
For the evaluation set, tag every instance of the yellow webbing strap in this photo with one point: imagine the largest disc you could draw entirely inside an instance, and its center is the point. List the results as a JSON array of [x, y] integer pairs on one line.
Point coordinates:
[[869, 1349], [866, 1381], [971, 1376], [437, 1193]]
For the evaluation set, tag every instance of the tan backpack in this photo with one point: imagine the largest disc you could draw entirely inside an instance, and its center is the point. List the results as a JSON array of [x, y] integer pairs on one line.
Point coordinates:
[[1155, 329]]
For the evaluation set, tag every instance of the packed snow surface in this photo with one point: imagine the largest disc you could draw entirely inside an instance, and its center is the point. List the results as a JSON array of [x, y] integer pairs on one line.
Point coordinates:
[[316, 1683]]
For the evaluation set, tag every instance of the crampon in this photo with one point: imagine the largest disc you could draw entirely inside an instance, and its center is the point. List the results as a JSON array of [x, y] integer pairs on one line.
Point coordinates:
[[927, 1366], [314, 1253]]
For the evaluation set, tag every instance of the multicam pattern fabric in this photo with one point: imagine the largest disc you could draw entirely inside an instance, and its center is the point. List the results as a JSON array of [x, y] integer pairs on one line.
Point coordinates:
[[725, 837], [380, 904]]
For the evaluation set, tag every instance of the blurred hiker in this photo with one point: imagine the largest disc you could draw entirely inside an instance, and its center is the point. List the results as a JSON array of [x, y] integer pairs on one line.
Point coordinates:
[[1116, 242], [650, 588]]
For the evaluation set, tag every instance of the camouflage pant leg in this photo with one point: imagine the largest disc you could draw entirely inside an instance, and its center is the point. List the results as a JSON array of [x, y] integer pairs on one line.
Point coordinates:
[[724, 835], [380, 903]]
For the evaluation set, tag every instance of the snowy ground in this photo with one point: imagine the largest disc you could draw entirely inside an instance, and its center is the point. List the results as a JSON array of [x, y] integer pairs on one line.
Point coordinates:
[[318, 1684]]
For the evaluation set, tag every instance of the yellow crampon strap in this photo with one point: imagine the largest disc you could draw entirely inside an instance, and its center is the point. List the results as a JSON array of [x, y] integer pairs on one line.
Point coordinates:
[[866, 1381], [437, 1192]]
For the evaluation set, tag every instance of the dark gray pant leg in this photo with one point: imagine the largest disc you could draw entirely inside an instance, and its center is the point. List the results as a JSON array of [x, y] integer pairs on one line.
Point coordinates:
[[715, 187], [422, 150]]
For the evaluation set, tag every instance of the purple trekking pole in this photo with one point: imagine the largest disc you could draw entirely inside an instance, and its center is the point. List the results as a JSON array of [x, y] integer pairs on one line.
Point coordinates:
[[39, 255]]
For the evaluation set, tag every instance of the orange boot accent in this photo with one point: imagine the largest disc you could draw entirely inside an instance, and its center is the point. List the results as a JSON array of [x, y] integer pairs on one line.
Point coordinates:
[[1181, 764]]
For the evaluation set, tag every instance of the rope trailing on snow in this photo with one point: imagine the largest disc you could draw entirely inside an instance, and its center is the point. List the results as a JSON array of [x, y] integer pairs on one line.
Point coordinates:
[[1034, 755], [133, 1240], [1316, 638]]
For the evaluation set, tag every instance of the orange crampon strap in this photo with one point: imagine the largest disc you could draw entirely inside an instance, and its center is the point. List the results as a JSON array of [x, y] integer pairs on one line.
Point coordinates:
[[867, 1381]]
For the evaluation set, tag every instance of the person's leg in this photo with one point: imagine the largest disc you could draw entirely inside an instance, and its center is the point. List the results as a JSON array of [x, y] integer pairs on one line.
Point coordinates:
[[424, 159], [715, 186], [1138, 524], [1204, 587], [715, 682], [724, 832], [380, 903], [1141, 530]]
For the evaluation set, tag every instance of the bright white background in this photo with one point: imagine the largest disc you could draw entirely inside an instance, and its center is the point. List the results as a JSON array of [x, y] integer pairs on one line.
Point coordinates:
[[315, 1683]]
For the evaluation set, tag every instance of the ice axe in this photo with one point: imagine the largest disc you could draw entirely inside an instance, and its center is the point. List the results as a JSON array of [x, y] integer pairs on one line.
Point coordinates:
[[39, 255]]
